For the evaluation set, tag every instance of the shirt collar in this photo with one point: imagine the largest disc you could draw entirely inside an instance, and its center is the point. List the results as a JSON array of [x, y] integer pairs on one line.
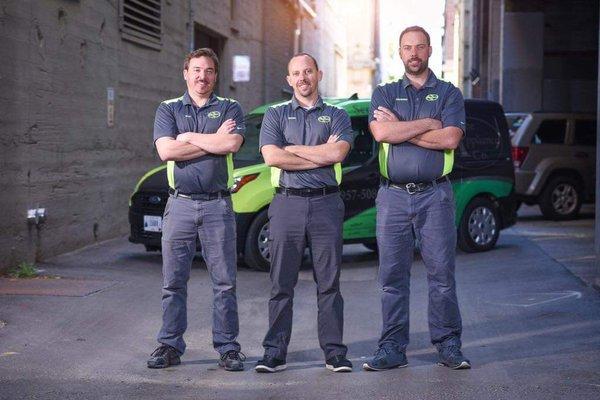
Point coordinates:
[[431, 81], [296, 104], [187, 100]]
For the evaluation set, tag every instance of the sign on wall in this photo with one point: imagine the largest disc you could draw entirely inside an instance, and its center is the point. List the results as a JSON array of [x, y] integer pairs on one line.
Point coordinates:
[[110, 107], [241, 68]]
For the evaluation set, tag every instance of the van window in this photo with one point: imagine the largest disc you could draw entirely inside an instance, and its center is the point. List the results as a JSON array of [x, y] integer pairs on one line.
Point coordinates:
[[363, 145], [482, 141], [249, 153], [551, 131], [585, 132]]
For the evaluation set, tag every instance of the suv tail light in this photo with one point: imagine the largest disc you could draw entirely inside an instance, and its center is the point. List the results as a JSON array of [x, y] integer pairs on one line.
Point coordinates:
[[518, 155]]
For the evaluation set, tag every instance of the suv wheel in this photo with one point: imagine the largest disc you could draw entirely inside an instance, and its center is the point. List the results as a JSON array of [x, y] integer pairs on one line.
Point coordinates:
[[256, 249], [479, 226], [561, 198]]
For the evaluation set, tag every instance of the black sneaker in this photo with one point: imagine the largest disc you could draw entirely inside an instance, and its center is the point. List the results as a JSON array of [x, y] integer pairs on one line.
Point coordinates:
[[232, 361], [164, 356], [387, 356], [338, 364], [452, 357], [270, 364]]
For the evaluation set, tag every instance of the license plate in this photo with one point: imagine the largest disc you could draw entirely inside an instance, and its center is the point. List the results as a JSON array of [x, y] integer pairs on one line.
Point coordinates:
[[152, 223]]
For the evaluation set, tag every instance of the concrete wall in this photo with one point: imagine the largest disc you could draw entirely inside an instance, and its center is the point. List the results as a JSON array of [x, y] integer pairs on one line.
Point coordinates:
[[57, 151], [325, 38], [530, 55], [59, 58], [523, 61], [359, 15]]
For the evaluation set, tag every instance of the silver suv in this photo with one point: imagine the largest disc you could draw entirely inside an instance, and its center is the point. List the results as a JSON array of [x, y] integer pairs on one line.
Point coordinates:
[[554, 156]]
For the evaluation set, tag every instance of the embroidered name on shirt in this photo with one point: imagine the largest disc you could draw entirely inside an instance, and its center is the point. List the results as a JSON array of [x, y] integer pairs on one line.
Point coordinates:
[[402, 99], [291, 117], [188, 116]]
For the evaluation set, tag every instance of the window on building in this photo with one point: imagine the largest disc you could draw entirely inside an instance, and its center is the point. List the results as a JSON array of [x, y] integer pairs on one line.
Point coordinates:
[[205, 37], [551, 131], [141, 22], [585, 132]]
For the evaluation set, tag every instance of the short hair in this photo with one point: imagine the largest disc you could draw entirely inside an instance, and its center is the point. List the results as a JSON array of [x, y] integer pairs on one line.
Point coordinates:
[[203, 52], [303, 54], [415, 28]]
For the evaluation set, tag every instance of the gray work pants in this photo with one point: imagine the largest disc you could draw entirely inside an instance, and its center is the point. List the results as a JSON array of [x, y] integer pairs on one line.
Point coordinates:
[[213, 221], [294, 223], [430, 216]]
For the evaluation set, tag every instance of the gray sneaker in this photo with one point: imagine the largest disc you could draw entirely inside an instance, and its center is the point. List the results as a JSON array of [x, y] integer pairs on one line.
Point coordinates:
[[451, 357], [232, 361], [387, 356], [163, 357]]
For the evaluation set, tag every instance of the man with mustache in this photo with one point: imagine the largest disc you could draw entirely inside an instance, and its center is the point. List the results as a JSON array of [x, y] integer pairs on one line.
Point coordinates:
[[196, 134], [304, 141], [418, 122]]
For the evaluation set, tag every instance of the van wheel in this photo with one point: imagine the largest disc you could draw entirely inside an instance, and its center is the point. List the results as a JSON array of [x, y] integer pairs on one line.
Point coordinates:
[[479, 226], [561, 198], [256, 249]]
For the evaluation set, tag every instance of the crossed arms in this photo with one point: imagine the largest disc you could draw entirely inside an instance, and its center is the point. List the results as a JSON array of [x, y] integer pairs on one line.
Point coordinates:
[[190, 145], [300, 157], [427, 132]]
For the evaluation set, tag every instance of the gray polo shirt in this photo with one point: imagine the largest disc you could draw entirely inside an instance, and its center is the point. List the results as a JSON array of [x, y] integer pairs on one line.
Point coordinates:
[[288, 123], [208, 173], [406, 162]]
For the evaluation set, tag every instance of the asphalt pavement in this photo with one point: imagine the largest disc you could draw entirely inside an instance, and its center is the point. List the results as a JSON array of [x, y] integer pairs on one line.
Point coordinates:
[[531, 327]]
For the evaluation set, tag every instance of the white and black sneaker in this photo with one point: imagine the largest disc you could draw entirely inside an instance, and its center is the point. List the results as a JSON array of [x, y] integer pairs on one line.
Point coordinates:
[[338, 364], [451, 357], [270, 364]]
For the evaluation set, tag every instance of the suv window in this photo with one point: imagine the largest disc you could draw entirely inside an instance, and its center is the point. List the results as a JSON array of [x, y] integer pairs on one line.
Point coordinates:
[[514, 123], [551, 131], [585, 132], [362, 147]]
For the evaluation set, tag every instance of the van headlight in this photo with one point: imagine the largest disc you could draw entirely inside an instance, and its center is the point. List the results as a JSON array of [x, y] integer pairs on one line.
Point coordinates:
[[240, 181]]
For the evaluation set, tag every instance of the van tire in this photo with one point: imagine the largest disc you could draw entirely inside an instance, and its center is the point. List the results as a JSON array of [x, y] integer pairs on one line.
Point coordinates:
[[479, 219], [566, 186], [252, 254]]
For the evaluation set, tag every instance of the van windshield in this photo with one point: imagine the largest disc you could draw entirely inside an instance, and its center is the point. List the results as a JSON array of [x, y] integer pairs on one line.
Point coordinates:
[[248, 153], [362, 150]]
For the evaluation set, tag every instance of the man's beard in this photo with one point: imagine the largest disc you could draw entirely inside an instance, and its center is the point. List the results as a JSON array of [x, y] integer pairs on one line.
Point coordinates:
[[422, 68]]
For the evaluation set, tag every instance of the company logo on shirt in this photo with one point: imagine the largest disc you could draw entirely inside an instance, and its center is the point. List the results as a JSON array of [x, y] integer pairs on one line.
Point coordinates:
[[214, 114], [431, 97], [324, 119]]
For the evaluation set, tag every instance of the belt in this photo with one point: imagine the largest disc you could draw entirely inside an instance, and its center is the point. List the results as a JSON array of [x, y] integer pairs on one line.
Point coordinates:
[[200, 196], [307, 192], [413, 187]]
